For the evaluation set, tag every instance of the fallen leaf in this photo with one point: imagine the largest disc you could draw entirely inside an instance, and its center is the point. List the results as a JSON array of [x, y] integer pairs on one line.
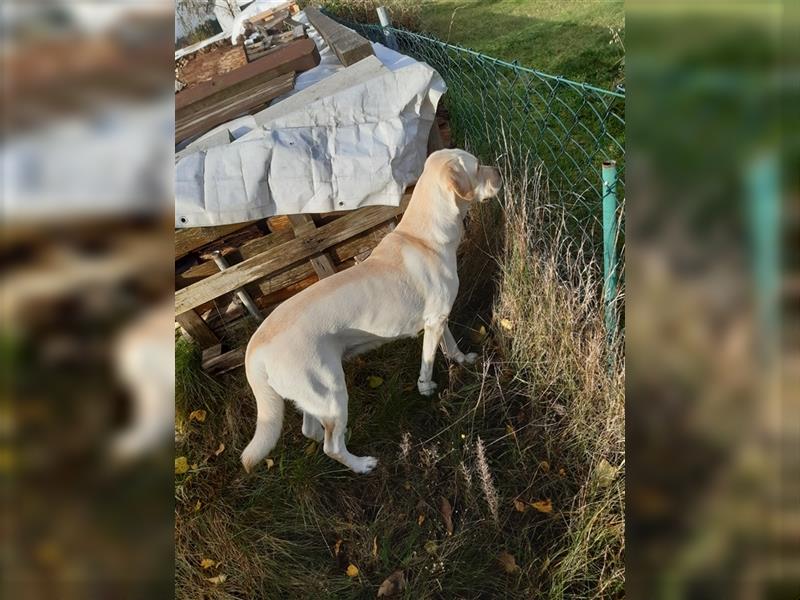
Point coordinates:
[[352, 570], [270, 463], [447, 515], [543, 506], [219, 450], [374, 381], [375, 547], [508, 562], [197, 506], [311, 448], [336, 547], [393, 584], [520, 506], [420, 519], [506, 324], [197, 415], [544, 466], [407, 485], [181, 465], [195, 466], [605, 473], [207, 563], [431, 547], [478, 335], [562, 472], [218, 579]]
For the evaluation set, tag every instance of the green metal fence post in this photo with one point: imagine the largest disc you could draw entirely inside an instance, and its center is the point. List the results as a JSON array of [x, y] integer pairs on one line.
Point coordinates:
[[610, 230], [764, 201]]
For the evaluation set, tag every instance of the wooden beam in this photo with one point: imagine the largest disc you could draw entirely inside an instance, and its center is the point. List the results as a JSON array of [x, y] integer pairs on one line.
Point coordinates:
[[193, 238], [197, 329], [209, 116], [284, 255], [322, 263], [224, 361], [298, 55], [347, 45]]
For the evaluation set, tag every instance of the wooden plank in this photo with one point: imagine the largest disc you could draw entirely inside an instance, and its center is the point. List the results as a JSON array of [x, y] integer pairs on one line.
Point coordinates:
[[197, 329], [269, 12], [270, 21], [225, 361], [347, 45], [292, 251], [193, 238], [322, 263], [298, 55], [246, 250], [228, 108]]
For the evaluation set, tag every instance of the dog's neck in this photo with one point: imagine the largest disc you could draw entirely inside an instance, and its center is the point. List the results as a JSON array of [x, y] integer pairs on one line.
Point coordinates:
[[434, 215]]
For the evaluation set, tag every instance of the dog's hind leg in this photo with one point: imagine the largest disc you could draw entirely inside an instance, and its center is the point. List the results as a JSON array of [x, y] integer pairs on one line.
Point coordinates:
[[335, 447], [312, 428]]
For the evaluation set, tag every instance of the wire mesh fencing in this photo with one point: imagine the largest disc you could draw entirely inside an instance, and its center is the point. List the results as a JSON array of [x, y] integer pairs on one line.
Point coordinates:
[[501, 110]]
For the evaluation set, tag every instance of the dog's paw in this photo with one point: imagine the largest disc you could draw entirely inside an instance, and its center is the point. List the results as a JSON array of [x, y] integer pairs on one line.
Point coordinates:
[[364, 464], [427, 388], [469, 358]]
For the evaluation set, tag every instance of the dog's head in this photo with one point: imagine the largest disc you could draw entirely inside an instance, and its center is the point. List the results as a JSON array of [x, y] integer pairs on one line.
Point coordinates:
[[462, 174]]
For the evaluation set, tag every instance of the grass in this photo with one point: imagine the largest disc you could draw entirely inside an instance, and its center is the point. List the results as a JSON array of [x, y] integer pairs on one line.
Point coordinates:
[[537, 421]]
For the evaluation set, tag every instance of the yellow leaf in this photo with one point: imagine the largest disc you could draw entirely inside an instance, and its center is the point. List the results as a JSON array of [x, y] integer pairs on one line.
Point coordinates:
[[374, 381], [562, 473], [219, 450], [207, 563], [520, 506], [478, 335], [508, 562], [336, 547], [270, 463], [506, 324], [544, 466], [194, 466], [197, 506], [605, 473], [218, 579], [420, 519], [197, 415], [352, 570], [543, 506], [311, 448], [431, 547], [181, 465]]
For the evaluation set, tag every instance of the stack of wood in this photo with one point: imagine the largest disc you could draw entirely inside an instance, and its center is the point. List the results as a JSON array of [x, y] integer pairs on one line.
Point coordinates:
[[220, 82], [228, 278]]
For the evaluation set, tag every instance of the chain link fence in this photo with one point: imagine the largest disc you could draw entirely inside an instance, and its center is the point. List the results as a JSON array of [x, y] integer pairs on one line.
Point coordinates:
[[503, 110]]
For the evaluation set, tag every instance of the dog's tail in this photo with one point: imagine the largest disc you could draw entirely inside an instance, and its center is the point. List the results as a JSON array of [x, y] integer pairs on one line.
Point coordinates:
[[270, 416]]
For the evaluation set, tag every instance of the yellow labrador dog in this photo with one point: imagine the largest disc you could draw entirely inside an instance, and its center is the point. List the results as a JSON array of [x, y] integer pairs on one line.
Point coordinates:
[[407, 284]]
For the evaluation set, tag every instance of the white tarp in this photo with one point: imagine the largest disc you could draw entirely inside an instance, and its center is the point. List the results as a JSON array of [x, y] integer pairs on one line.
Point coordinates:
[[356, 138]]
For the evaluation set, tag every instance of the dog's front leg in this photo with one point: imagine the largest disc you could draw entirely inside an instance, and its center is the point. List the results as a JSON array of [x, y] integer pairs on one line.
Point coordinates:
[[451, 351], [434, 328]]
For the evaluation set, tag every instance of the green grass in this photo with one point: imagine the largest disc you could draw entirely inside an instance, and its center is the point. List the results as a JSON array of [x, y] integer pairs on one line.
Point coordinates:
[[541, 401], [561, 38]]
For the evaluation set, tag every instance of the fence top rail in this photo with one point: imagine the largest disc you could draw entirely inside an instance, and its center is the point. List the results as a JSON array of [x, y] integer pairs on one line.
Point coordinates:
[[620, 93]]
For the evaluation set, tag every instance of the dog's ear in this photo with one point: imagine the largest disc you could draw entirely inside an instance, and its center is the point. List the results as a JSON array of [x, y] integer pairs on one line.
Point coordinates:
[[458, 180]]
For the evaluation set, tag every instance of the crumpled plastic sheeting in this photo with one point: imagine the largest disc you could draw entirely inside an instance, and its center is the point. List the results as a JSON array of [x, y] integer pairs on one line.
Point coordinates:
[[361, 146]]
